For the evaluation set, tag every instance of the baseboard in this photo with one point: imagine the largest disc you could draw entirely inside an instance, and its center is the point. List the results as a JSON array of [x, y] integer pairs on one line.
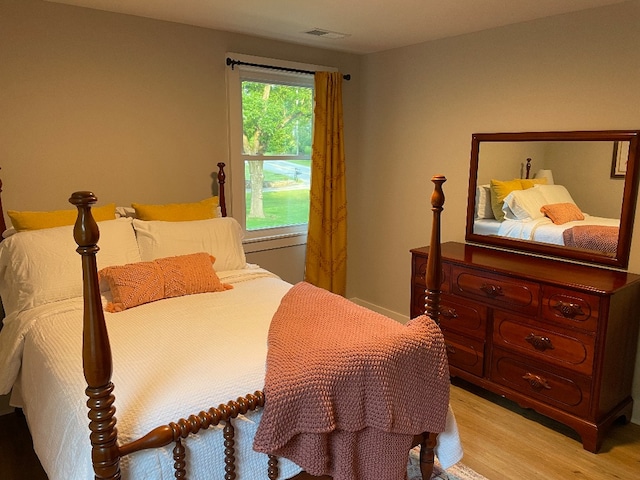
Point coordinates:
[[376, 308]]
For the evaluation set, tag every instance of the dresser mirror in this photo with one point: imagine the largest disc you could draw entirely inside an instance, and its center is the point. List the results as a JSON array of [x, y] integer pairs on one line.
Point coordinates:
[[569, 195]]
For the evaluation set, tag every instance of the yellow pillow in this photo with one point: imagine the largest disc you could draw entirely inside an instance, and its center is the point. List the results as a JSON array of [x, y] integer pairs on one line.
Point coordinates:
[[499, 190], [530, 182], [178, 212], [56, 218]]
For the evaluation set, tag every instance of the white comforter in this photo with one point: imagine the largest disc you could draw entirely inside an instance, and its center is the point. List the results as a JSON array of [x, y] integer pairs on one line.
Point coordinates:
[[163, 354], [544, 230]]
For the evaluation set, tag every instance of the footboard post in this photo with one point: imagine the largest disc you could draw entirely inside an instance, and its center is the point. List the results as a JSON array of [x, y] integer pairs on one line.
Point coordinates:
[[427, 455], [434, 261], [96, 351]]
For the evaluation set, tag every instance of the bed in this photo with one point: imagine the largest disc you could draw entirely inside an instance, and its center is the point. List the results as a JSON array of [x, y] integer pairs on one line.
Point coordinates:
[[166, 356], [534, 210]]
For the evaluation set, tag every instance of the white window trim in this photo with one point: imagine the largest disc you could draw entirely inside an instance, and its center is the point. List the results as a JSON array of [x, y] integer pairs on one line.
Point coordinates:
[[267, 240]]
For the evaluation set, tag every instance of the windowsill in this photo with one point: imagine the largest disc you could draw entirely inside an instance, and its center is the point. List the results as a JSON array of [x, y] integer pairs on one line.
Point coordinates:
[[274, 242]]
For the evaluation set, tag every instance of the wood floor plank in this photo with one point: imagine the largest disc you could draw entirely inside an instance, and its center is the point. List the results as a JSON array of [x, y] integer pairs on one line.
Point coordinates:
[[503, 441]]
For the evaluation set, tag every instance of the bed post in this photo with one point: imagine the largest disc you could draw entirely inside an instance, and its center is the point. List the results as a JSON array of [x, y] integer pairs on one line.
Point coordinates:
[[432, 307], [434, 261], [96, 351], [221, 198]]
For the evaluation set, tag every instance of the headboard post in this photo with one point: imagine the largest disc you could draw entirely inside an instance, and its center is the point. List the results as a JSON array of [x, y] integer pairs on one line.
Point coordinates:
[[96, 350], [221, 198], [434, 261]]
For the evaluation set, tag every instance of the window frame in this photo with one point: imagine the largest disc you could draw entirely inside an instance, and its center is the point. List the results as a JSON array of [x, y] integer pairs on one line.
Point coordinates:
[[279, 237]]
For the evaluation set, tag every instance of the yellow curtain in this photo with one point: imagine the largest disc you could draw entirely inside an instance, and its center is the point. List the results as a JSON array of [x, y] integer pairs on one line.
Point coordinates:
[[326, 257]]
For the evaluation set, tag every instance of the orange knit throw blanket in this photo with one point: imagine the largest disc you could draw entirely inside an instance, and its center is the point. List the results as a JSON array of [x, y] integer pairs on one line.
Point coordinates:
[[592, 237], [347, 388]]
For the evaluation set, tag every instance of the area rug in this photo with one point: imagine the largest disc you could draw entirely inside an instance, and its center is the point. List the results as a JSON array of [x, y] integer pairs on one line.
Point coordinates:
[[456, 472]]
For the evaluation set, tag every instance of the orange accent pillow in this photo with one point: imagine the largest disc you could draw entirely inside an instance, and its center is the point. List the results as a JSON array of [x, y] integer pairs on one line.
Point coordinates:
[[560, 213], [143, 282]]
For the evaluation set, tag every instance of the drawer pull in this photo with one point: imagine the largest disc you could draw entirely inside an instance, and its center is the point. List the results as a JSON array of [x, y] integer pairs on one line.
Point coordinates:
[[492, 290], [536, 381], [451, 349], [448, 313], [539, 342], [568, 310]]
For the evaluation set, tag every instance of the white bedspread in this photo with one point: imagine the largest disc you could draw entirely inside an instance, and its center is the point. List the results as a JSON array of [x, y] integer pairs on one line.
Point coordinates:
[[163, 353], [544, 230]]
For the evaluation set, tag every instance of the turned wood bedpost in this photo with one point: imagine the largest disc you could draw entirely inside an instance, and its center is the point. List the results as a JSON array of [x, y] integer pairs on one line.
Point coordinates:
[[221, 198], [434, 261], [96, 351]]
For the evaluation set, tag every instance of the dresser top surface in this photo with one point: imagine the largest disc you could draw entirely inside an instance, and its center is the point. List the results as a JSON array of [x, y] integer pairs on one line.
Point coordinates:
[[536, 268]]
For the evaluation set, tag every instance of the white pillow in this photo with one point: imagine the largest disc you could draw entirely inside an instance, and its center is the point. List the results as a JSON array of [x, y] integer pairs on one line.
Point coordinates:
[[555, 193], [220, 237], [42, 266], [524, 204], [483, 202]]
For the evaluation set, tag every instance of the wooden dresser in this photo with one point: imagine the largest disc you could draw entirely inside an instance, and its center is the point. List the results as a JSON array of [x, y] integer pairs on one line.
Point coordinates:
[[557, 337]]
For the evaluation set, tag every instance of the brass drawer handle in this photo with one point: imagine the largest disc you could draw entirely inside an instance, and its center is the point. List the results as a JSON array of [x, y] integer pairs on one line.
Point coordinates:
[[451, 349], [492, 290], [539, 342], [448, 313], [568, 310], [536, 381]]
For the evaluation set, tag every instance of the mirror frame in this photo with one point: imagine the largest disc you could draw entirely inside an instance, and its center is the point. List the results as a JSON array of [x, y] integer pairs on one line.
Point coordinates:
[[621, 258]]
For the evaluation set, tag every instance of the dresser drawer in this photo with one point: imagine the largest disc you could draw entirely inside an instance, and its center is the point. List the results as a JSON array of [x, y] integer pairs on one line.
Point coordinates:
[[567, 392], [562, 347], [501, 291], [419, 273], [573, 309], [465, 353], [463, 316]]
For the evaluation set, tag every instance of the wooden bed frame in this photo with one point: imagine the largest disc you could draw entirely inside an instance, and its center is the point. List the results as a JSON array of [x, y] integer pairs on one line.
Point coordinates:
[[97, 362]]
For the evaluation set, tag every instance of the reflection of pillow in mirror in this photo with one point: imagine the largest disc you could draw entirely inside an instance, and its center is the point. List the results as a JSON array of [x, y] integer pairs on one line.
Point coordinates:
[[555, 193], [560, 213], [531, 182], [483, 202], [499, 190], [524, 204]]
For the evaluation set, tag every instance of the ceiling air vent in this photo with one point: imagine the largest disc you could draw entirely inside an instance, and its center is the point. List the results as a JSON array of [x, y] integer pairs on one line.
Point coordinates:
[[318, 32]]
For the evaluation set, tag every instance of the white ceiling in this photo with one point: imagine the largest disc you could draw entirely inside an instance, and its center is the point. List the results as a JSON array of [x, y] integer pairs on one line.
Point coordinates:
[[371, 25]]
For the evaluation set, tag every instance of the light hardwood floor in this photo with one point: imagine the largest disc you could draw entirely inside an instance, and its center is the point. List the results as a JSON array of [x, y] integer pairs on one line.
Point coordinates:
[[501, 442]]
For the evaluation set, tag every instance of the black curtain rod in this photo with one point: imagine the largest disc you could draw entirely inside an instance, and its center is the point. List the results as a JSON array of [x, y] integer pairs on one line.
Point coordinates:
[[232, 63]]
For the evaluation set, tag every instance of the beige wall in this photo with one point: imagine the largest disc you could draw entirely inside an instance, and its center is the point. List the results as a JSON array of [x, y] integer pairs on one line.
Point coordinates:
[[131, 108], [421, 104]]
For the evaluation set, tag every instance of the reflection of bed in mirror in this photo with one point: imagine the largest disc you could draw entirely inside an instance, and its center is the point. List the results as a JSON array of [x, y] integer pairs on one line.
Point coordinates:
[[587, 183], [540, 210]]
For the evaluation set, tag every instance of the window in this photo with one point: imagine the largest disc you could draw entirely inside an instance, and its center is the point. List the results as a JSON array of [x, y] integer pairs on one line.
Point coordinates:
[[271, 128]]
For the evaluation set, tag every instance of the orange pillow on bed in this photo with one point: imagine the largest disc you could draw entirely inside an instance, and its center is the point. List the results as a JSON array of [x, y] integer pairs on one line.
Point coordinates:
[[143, 282], [560, 213]]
